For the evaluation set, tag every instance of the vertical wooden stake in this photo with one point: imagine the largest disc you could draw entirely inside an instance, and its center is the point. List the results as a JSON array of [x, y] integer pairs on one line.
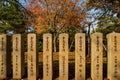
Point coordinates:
[[18, 57], [63, 56], [80, 56], [113, 56], [32, 57], [47, 57], [96, 56], [5, 60]]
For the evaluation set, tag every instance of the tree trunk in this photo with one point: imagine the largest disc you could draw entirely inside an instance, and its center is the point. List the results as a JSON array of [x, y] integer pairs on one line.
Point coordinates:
[[54, 42], [88, 42]]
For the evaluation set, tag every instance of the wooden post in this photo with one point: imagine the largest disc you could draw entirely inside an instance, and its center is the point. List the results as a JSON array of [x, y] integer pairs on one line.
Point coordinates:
[[5, 60], [63, 56], [18, 56], [113, 56], [32, 57], [96, 56], [47, 57], [80, 56]]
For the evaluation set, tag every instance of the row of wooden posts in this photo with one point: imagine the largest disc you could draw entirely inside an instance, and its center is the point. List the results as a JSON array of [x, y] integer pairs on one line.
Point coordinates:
[[113, 56]]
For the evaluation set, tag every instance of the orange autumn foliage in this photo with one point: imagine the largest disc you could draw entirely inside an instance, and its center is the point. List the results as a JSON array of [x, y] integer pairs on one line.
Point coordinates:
[[56, 14]]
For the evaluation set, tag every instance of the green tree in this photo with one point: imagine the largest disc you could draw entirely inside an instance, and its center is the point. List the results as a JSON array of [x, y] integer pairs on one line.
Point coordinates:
[[108, 18], [12, 16], [103, 11], [110, 21]]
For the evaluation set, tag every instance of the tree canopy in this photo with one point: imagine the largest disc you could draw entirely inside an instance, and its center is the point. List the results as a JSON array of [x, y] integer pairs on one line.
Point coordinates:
[[56, 14], [12, 16]]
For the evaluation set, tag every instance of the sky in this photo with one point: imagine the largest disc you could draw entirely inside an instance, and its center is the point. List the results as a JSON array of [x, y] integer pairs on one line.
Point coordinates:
[[23, 2]]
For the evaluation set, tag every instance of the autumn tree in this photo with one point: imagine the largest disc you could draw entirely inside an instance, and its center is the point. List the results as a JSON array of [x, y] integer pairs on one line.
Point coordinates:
[[56, 16]]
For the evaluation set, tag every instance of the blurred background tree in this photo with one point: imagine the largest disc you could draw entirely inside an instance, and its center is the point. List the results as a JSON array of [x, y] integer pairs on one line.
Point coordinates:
[[57, 16], [107, 14], [13, 16]]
